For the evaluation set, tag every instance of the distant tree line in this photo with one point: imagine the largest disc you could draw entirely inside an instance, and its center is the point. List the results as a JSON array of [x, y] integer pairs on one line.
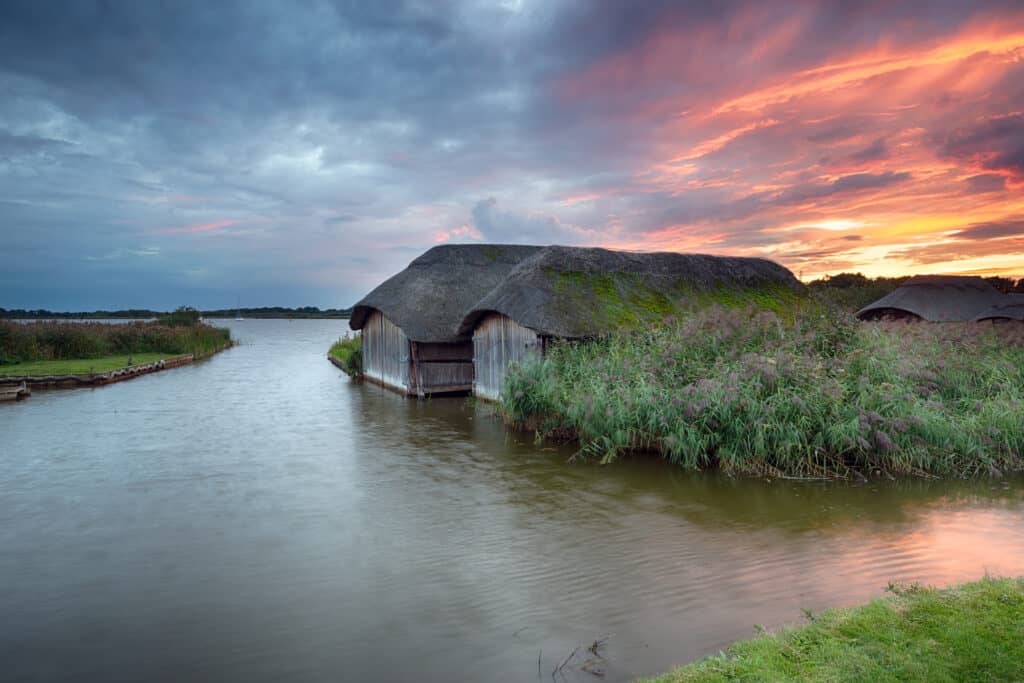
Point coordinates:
[[145, 313]]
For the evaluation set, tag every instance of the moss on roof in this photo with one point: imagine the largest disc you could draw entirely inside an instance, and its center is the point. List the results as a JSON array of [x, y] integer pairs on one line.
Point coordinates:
[[565, 291]]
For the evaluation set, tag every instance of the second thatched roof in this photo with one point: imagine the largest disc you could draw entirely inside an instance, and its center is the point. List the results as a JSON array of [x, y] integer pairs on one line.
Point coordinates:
[[573, 292], [937, 298], [559, 291], [1011, 308]]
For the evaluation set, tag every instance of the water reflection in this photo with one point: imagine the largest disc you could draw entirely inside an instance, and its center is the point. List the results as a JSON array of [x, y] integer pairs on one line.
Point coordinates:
[[259, 517]]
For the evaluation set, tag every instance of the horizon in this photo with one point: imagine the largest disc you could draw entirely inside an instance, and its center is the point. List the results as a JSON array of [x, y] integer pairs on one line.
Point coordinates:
[[153, 157]]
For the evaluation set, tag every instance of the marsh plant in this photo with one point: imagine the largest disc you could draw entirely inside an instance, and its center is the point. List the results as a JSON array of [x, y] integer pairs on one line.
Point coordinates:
[[349, 352], [25, 342], [814, 394]]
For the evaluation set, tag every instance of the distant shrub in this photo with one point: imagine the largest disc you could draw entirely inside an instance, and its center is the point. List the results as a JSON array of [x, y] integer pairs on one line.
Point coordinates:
[[183, 316], [349, 352], [23, 342]]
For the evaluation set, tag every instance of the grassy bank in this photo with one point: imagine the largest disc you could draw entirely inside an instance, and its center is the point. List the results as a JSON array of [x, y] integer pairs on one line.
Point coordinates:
[[81, 366], [349, 352], [25, 344], [974, 632], [809, 393]]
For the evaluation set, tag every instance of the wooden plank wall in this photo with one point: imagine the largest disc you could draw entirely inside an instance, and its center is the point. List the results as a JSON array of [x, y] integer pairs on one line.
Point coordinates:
[[438, 377], [499, 341], [444, 368], [385, 352]]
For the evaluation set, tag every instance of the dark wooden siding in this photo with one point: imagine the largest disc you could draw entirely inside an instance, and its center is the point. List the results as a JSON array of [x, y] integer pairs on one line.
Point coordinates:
[[441, 368], [499, 341], [385, 352], [452, 353]]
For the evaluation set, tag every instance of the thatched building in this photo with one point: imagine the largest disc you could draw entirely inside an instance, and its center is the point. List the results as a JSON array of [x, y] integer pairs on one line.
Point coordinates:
[[936, 298], [576, 293], [459, 315], [410, 323], [1010, 310]]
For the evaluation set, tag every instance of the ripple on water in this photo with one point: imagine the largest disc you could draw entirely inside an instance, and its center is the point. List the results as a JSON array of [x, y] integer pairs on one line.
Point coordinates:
[[257, 517]]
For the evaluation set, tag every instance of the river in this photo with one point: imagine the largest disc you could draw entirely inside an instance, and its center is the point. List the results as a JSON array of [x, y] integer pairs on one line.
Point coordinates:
[[259, 517]]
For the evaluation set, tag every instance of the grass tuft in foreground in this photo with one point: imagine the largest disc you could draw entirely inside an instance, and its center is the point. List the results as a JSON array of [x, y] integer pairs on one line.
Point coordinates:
[[349, 352], [974, 632], [813, 393]]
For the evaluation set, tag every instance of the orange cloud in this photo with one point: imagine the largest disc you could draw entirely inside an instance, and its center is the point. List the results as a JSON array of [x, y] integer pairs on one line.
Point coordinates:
[[868, 159]]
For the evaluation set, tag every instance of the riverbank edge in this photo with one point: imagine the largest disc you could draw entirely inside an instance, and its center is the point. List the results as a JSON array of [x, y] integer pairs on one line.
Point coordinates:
[[973, 631], [109, 377]]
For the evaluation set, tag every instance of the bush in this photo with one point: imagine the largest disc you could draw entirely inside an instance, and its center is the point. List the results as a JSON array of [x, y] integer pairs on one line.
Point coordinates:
[[815, 395], [23, 342], [183, 316], [349, 352]]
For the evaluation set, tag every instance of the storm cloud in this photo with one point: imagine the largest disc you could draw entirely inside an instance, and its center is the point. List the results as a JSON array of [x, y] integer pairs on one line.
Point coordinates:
[[156, 154]]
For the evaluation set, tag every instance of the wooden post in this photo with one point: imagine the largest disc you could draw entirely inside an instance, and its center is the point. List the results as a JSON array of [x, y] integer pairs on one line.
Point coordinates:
[[416, 370]]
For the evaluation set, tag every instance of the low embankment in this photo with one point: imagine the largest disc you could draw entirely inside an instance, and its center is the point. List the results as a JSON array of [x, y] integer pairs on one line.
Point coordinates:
[[807, 394], [974, 632], [70, 354], [347, 354]]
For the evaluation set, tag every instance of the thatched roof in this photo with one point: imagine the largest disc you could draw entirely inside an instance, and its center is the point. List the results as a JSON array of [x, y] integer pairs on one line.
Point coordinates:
[[572, 292], [1012, 308], [557, 291], [431, 296], [938, 298]]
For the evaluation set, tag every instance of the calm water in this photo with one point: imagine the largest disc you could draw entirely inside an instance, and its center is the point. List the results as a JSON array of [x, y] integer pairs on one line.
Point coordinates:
[[257, 517]]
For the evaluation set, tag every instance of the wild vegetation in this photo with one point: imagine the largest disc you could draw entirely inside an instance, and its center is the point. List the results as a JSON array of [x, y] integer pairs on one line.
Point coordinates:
[[53, 341], [349, 353], [808, 392], [974, 632]]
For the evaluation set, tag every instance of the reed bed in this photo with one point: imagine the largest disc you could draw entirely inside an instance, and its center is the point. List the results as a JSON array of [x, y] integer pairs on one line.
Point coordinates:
[[814, 394], [44, 341], [349, 352]]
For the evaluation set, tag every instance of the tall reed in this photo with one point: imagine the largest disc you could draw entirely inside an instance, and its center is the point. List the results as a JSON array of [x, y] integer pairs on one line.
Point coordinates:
[[22, 342], [815, 394]]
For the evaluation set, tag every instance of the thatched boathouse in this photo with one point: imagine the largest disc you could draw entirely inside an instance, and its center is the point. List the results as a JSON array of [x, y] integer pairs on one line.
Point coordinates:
[[937, 298], [1011, 309], [409, 323], [459, 315], [578, 293]]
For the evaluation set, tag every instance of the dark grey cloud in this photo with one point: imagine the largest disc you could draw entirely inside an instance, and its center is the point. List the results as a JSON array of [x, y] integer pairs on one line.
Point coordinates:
[[152, 151], [996, 143], [502, 226], [985, 182], [876, 151], [988, 231], [848, 183]]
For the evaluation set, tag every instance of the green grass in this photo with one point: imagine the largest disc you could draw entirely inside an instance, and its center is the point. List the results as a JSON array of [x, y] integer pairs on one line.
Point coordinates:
[[810, 392], [349, 351], [973, 632], [77, 366]]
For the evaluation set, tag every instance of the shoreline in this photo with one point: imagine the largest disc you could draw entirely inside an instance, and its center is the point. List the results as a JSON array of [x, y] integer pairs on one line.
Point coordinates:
[[98, 378], [972, 631], [76, 380]]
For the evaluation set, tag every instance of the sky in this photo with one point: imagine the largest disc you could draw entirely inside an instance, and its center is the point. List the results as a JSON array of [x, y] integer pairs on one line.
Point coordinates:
[[156, 154]]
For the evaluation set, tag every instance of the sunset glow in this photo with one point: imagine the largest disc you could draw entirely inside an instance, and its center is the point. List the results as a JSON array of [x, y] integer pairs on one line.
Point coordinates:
[[886, 138]]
